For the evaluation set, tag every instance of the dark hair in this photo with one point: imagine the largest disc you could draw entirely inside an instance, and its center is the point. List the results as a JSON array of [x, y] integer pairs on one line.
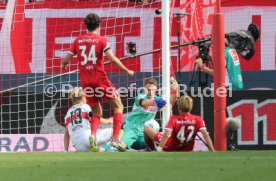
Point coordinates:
[[92, 21]]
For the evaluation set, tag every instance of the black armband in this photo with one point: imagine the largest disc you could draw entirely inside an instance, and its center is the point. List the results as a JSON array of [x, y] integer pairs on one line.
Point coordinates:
[[108, 48], [90, 114], [140, 102]]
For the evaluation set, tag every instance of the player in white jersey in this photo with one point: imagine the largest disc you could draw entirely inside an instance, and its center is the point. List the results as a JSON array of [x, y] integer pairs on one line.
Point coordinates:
[[77, 121]]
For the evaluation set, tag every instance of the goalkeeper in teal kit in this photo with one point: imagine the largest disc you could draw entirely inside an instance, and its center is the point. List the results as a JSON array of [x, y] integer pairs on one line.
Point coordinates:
[[144, 109]]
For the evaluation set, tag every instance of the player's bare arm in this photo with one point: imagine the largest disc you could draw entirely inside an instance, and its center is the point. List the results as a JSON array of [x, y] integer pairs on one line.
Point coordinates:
[[152, 102], [65, 61], [149, 132], [66, 140], [146, 103], [106, 120], [115, 61], [203, 67], [174, 91], [207, 139], [103, 120], [164, 140]]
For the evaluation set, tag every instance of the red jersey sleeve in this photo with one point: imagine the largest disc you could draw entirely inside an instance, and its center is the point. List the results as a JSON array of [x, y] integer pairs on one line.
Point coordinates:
[[73, 48], [67, 119], [105, 44], [170, 124]]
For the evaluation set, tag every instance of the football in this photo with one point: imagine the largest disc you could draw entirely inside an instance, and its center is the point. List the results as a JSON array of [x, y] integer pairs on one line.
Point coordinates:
[[153, 124]]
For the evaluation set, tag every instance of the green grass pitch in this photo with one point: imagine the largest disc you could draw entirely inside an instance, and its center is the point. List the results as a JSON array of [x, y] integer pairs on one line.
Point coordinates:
[[133, 166]]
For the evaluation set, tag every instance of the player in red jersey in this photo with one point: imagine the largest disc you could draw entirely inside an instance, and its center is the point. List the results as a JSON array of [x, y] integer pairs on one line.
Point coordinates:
[[89, 49], [181, 130]]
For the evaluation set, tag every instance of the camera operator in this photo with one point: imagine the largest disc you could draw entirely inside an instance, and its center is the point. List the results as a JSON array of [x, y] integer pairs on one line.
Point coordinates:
[[232, 64], [239, 43]]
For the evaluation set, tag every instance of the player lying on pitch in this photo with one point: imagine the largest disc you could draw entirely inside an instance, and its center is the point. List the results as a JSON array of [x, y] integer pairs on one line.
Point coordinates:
[[78, 124], [180, 131], [144, 109]]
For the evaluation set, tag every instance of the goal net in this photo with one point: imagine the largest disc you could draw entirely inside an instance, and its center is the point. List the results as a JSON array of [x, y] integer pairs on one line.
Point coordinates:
[[36, 34]]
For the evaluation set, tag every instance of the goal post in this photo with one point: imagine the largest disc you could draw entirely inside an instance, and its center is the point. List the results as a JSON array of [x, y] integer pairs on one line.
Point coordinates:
[[166, 61], [219, 80]]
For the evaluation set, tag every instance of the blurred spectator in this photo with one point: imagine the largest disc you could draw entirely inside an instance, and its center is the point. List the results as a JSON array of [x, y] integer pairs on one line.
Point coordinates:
[[3, 1], [26, 1]]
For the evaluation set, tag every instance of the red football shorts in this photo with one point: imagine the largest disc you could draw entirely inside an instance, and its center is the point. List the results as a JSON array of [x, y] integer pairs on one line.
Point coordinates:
[[171, 147], [97, 87]]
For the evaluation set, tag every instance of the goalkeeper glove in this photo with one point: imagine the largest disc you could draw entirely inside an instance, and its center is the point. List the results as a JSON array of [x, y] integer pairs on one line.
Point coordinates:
[[160, 102]]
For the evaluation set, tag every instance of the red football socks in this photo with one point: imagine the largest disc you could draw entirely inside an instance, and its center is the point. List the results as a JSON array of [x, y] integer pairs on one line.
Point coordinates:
[[117, 124], [95, 122]]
